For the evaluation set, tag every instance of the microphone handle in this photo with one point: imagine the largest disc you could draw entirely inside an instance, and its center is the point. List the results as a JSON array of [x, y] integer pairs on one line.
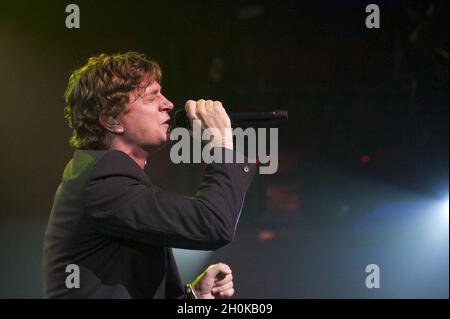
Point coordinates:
[[238, 118], [257, 117]]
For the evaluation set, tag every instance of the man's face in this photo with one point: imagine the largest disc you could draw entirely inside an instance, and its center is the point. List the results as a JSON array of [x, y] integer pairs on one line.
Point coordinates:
[[146, 119]]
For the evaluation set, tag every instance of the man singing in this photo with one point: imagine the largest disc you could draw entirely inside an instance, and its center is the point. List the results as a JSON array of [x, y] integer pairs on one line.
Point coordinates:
[[108, 220]]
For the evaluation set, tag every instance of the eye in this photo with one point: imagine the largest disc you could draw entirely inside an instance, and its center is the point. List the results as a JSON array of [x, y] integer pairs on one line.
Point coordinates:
[[149, 99]]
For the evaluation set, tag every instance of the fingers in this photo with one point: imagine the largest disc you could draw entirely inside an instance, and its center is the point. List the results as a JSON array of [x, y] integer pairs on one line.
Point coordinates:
[[215, 270], [218, 105], [228, 278], [214, 119], [209, 105], [215, 282], [225, 287], [202, 107], [224, 294], [190, 108]]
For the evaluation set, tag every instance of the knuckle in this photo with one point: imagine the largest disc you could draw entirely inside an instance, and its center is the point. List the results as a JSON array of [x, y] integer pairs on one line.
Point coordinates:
[[189, 104], [209, 106]]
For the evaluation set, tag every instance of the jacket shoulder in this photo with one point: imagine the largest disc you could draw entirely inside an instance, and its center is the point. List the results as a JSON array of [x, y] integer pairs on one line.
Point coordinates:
[[117, 163]]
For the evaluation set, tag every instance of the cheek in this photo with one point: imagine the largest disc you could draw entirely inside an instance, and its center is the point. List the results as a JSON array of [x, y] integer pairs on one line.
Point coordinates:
[[150, 129], [135, 127], [146, 124]]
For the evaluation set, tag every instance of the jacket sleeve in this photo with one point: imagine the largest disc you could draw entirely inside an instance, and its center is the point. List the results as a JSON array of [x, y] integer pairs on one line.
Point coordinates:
[[123, 203]]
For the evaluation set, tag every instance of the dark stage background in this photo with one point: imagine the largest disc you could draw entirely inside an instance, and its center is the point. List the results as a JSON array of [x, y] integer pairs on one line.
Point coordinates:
[[363, 175]]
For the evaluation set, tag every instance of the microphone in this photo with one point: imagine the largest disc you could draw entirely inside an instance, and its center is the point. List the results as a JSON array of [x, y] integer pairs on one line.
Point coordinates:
[[238, 118]]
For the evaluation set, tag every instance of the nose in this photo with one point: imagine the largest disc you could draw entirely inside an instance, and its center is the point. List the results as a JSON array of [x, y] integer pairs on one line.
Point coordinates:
[[166, 105]]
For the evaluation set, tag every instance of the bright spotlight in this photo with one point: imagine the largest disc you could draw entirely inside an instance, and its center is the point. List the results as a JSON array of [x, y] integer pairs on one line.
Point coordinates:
[[446, 208]]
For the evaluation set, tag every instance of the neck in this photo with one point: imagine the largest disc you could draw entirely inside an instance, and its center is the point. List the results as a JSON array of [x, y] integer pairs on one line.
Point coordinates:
[[138, 154]]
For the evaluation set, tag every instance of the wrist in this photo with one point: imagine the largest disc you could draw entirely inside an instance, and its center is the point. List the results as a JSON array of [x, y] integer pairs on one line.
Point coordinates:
[[222, 143], [223, 139], [190, 291]]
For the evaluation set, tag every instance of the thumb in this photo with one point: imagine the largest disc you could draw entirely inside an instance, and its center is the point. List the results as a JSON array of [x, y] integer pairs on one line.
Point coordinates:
[[214, 270]]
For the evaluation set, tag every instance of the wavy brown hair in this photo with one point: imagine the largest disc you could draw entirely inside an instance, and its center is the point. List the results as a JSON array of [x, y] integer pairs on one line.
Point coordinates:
[[102, 87]]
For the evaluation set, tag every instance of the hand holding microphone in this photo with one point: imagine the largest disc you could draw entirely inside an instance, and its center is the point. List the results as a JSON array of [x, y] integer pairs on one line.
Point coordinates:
[[181, 119], [213, 117]]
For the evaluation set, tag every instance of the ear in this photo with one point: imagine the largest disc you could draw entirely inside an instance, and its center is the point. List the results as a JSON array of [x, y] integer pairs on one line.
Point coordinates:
[[111, 124]]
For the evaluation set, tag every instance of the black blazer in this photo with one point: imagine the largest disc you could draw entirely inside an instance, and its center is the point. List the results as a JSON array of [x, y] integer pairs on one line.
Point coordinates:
[[117, 227]]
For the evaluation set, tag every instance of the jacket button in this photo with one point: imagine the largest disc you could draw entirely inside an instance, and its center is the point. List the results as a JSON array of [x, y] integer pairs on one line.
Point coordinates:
[[246, 169]]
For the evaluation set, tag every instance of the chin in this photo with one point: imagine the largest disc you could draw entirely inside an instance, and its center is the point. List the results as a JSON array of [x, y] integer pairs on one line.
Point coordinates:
[[165, 141], [164, 138]]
